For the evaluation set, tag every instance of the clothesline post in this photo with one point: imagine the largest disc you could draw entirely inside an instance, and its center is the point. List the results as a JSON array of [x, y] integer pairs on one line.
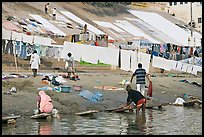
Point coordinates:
[[192, 36], [15, 58]]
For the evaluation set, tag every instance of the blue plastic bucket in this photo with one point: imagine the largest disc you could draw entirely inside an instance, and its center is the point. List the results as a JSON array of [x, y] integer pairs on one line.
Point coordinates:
[[65, 89]]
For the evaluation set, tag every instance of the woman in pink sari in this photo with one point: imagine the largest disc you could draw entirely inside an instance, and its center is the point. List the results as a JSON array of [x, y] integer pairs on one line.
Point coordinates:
[[44, 103]]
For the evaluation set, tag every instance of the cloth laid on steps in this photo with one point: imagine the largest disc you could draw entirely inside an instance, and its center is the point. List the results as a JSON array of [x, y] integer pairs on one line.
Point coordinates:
[[94, 97], [109, 88]]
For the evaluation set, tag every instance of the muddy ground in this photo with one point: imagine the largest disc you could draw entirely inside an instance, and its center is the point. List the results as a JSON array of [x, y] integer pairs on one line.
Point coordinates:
[[165, 90]]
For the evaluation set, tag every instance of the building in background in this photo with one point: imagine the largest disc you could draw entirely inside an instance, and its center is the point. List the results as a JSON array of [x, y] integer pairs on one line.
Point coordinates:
[[182, 11]]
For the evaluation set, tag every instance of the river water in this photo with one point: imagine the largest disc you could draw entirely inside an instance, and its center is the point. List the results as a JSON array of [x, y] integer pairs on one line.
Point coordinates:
[[171, 120]]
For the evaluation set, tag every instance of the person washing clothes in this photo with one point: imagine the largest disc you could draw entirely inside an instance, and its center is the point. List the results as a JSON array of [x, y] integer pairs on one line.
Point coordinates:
[[35, 62], [135, 97], [44, 103]]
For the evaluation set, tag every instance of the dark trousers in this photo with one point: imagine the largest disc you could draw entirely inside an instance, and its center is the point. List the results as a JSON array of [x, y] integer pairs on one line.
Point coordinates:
[[9, 47], [34, 72], [4, 45]]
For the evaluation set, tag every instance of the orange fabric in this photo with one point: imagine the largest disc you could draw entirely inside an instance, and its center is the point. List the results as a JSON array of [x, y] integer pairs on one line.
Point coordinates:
[[45, 82], [141, 102], [96, 43]]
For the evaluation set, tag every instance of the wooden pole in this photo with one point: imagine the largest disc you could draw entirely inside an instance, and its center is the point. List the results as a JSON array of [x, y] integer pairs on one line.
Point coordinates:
[[191, 34], [15, 57]]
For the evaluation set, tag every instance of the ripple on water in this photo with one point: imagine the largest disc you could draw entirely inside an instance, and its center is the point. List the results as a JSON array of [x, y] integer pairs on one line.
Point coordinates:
[[174, 120]]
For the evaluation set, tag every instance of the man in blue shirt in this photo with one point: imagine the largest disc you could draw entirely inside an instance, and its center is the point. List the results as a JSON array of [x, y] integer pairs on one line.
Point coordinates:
[[140, 74]]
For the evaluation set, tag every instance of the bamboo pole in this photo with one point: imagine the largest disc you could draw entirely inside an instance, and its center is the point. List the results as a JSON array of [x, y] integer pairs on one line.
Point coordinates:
[[15, 58], [191, 35]]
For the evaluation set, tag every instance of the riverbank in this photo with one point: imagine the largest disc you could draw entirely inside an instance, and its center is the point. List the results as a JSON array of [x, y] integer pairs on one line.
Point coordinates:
[[165, 90]]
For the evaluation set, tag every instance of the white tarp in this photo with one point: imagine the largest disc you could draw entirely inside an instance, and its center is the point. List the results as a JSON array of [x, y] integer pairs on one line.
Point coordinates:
[[189, 68], [109, 55], [27, 38], [134, 61], [179, 66], [125, 60], [153, 31], [58, 46], [48, 25], [196, 34], [91, 53], [184, 67], [144, 59], [109, 25], [163, 63], [165, 26], [196, 69], [173, 64], [72, 48], [59, 17], [139, 57], [42, 40], [6, 34], [81, 22], [135, 31]]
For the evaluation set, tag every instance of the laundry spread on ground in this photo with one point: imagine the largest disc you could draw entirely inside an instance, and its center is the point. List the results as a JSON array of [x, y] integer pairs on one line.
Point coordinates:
[[108, 88], [92, 96]]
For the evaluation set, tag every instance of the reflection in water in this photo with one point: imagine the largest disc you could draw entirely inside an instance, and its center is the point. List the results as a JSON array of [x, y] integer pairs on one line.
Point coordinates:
[[104, 123], [45, 128], [140, 123], [174, 120]]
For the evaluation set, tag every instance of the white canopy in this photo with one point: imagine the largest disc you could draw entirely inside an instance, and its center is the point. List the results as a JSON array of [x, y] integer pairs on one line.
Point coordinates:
[[166, 26]]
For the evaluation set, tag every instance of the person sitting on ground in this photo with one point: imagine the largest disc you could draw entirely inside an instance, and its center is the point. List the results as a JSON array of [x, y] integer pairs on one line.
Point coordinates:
[[136, 97], [44, 103], [70, 65]]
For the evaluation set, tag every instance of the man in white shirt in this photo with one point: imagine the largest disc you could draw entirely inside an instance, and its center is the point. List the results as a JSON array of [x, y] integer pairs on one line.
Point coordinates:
[[54, 14], [35, 62], [70, 65]]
